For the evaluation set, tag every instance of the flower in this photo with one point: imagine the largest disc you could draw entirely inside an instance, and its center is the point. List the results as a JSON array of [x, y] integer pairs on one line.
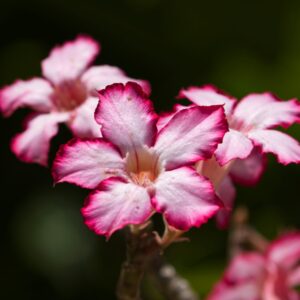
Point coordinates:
[[242, 155], [136, 170], [268, 276], [251, 123], [66, 95], [246, 172]]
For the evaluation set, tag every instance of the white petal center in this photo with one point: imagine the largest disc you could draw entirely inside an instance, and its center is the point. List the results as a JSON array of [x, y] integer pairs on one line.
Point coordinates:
[[143, 166]]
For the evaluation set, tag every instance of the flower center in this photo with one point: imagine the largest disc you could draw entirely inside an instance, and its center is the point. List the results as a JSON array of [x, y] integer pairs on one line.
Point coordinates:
[[69, 95], [239, 125], [143, 166]]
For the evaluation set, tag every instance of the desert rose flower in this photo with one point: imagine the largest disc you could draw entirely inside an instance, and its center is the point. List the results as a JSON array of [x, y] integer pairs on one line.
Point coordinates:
[[272, 275], [241, 157], [66, 94], [246, 172], [136, 170], [251, 123]]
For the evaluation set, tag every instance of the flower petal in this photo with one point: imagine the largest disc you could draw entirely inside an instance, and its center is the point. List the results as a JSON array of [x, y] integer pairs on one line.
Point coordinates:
[[192, 134], [294, 277], [68, 61], [33, 144], [185, 198], [235, 145], [266, 111], [208, 95], [164, 118], [116, 204], [276, 284], [293, 295], [87, 162], [242, 279], [246, 266], [244, 291], [283, 146], [248, 171], [98, 77], [34, 93], [83, 123], [126, 116], [227, 193], [285, 251]]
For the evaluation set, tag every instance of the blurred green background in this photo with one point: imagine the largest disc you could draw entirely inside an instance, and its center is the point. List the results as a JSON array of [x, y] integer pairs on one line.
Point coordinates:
[[242, 47]]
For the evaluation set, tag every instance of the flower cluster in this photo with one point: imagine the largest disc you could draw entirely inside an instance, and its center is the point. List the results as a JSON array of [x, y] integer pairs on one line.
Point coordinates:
[[241, 158], [136, 162], [137, 169], [273, 274]]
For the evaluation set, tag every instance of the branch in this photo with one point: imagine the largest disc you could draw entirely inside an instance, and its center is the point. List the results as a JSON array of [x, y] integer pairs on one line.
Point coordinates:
[[171, 285], [242, 236], [142, 245]]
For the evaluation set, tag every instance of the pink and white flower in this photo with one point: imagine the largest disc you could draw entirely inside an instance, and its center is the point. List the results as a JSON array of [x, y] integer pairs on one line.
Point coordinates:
[[242, 155], [246, 172], [66, 94], [251, 123], [136, 170], [272, 275]]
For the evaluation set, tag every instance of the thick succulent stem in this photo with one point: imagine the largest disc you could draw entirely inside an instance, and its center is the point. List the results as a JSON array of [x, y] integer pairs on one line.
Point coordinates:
[[142, 245]]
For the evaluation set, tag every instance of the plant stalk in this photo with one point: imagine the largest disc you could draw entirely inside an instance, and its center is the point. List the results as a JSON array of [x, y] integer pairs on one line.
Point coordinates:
[[142, 244]]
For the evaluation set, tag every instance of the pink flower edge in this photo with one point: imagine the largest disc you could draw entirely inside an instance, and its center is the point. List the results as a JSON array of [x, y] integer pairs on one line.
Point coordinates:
[[285, 248], [212, 119], [107, 225], [199, 196], [242, 170], [63, 155], [207, 87], [131, 128], [52, 65]]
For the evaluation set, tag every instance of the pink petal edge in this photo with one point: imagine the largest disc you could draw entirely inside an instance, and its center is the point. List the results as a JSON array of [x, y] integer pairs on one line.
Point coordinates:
[[68, 61], [265, 110], [32, 145], [185, 198], [235, 145], [249, 171], [86, 162], [115, 204], [208, 95], [98, 77], [282, 145], [126, 116], [34, 93], [191, 135]]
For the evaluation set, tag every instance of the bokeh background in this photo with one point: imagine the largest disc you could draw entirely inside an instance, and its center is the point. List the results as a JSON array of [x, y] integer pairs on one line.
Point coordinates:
[[240, 46]]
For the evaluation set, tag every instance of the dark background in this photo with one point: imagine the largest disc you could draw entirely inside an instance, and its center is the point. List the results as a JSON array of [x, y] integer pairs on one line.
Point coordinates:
[[240, 46]]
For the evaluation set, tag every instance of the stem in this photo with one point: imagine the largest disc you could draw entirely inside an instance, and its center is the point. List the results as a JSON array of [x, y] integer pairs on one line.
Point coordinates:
[[141, 244], [244, 237], [171, 285]]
